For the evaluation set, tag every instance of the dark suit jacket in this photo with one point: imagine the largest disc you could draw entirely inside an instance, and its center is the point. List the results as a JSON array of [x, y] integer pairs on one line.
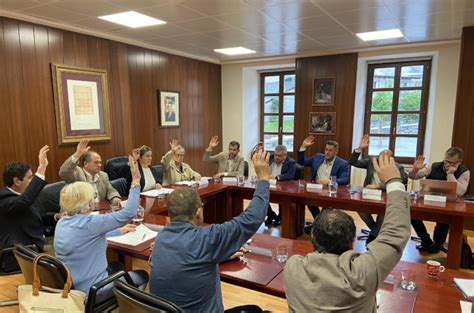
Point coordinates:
[[367, 164], [340, 168], [20, 220], [287, 169], [170, 117], [128, 176]]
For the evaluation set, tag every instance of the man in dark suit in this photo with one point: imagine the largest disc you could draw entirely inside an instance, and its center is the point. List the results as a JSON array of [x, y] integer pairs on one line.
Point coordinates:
[[282, 167], [372, 181], [170, 116], [323, 166], [20, 220]]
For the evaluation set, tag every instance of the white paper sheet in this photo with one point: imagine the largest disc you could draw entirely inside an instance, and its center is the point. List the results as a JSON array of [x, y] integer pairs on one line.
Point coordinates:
[[466, 286], [134, 238], [157, 192]]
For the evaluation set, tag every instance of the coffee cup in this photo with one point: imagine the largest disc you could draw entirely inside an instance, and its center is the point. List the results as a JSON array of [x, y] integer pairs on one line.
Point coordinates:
[[434, 267]]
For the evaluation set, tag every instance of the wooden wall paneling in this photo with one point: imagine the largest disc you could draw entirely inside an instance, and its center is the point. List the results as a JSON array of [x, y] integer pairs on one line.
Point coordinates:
[[6, 127], [344, 69], [463, 129], [13, 66], [134, 76]]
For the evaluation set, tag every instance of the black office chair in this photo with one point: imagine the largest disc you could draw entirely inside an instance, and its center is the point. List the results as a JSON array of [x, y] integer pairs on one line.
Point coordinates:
[[246, 168], [114, 166], [120, 184], [299, 172], [159, 172], [8, 264], [48, 202], [132, 299], [53, 274]]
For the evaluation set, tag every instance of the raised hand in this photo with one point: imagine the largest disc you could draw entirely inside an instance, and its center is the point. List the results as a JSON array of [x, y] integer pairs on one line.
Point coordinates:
[[174, 144], [385, 167], [419, 163], [214, 142], [82, 148], [43, 160], [308, 141], [364, 142], [260, 162], [136, 154], [134, 170]]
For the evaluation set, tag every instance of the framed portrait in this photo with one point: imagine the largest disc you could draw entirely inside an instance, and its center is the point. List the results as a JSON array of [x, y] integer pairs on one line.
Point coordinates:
[[169, 108], [323, 91], [322, 123], [81, 104]]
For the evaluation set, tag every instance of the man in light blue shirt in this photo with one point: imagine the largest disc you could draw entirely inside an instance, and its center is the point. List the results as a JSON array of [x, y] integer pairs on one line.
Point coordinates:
[[185, 259]]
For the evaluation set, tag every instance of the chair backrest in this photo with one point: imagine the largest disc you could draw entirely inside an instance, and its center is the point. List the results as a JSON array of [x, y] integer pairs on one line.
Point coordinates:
[[52, 271], [120, 184], [8, 264], [299, 172], [48, 202], [132, 299], [159, 170], [114, 166], [246, 168]]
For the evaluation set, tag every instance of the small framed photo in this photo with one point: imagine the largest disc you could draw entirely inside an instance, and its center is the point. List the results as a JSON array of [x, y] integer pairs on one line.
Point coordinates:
[[322, 123], [81, 103], [323, 91], [169, 109]]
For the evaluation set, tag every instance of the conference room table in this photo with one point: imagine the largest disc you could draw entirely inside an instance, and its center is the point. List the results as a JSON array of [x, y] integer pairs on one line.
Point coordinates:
[[224, 201], [259, 270]]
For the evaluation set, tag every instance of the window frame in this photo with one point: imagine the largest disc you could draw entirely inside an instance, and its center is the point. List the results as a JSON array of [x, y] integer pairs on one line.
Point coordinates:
[[394, 112], [281, 94]]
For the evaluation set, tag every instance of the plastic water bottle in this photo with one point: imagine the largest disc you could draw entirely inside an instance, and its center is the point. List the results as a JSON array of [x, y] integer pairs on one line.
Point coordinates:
[[332, 186]]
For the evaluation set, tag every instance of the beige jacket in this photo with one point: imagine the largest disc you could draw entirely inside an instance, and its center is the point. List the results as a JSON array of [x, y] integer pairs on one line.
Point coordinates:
[[172, 174], [70, 172], [221, 158], [320, 282]]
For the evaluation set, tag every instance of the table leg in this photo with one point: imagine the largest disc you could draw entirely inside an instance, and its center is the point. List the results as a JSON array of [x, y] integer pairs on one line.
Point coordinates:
[[455, 242], [289, 218]]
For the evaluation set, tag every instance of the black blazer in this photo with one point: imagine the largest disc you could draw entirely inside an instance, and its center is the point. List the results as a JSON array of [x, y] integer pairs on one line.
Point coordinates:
[[128, 176], [20, 220], [367, 164]]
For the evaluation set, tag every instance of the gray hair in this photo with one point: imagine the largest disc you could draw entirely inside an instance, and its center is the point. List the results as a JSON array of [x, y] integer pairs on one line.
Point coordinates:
[[281, 148], [180, 149], [183, 203], [455, 151]]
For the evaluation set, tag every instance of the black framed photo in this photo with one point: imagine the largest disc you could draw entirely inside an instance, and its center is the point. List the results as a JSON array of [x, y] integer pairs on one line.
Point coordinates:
[[323, 91], [322, 123]]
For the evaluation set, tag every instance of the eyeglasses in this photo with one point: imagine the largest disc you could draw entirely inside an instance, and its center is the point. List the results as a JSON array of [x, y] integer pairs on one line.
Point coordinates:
[[450, 162], [180, 155]]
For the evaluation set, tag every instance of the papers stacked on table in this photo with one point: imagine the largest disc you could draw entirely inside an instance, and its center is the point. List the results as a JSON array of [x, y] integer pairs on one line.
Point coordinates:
[[154, 193], [134, 238], [466, 286]]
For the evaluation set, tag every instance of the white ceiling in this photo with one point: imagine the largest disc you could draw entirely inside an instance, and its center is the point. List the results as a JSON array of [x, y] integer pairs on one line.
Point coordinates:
[[271, 27]]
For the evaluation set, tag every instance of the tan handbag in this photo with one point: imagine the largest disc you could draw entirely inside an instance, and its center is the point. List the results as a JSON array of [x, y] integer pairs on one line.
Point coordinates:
[[35, 298]]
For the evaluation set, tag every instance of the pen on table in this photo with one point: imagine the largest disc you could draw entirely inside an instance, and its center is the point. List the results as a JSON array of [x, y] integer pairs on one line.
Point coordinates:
[[143, 238]]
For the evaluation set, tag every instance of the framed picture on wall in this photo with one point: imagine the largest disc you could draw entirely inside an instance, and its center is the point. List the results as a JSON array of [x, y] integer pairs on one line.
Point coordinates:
[[81, 104], [169, 109], [323, 91], [322, 123]]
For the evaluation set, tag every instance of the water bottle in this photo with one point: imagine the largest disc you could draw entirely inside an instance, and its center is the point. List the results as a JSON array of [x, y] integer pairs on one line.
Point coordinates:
[[333, 186]]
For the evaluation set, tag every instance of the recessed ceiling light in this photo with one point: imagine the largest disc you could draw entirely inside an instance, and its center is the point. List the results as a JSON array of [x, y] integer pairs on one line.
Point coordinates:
[[132, 19], [381, 34], [234, 51]]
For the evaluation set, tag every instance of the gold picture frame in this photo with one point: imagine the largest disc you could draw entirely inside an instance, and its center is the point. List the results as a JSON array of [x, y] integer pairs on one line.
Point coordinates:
[[81, 103]]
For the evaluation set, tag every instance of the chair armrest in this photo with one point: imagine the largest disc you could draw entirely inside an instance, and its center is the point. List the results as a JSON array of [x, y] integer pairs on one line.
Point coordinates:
[[97, 286]]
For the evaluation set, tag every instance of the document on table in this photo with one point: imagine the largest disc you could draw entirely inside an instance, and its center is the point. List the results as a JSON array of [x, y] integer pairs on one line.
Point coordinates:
[[466, 307], [185, 183], [134, 238], [154, 193], [466, 286]]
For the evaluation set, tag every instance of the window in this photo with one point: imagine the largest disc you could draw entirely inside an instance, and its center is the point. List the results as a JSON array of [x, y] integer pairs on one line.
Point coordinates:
[[277, 109], [396, 103]]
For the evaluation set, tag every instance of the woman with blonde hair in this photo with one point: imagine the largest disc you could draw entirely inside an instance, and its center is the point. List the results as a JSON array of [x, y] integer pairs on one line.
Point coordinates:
[[80, 239]]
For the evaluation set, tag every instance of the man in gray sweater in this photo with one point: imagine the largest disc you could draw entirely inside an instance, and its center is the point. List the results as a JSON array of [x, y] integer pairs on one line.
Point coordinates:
[[336, 278]]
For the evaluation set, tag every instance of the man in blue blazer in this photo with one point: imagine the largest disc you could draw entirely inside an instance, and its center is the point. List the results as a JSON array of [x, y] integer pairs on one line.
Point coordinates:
[[323, 166], [282, 167]]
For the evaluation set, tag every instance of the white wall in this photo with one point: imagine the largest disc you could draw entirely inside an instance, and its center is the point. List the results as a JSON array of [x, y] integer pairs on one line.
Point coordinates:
[[240, 97], [241, 101]]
